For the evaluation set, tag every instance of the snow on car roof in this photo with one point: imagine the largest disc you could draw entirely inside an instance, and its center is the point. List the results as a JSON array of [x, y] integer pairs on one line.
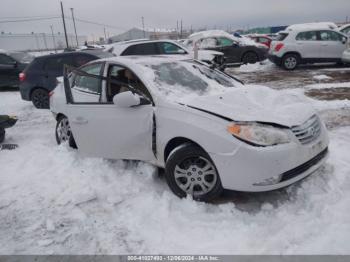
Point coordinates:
[[307, 26], [118, 47], [220, 33]]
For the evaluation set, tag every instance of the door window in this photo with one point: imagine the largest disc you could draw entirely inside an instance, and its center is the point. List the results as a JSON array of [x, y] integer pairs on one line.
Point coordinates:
[[141, 49], [55, 65], [208, 43], [170, 49], [87, 83], [122, 79], [307, 36], [6, 60], [80, 60], [222, 41], [330, 36]]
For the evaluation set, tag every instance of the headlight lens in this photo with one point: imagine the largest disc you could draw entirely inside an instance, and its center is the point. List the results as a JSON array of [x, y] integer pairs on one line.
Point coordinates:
[[259, 134]]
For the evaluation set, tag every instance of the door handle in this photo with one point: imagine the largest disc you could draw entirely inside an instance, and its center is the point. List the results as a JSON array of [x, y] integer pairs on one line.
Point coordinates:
[[324, 44], [80, 121]]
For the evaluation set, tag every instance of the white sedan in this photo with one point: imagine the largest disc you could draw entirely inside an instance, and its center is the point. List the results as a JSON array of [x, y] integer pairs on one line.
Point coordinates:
[[208, 130]]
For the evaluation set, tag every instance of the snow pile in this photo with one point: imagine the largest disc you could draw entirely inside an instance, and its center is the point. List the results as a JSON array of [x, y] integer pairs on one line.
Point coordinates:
[[52, 201], [321, 77], [328, 85]]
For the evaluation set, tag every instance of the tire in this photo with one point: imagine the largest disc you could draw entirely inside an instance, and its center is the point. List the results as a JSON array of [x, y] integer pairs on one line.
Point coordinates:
[[40, 98], [250, 58], [185, 173], [63, 132], [2, 135], [290, 62]]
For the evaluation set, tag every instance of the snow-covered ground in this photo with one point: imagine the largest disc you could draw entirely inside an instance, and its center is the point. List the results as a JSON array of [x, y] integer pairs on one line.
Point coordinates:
[[52, 201]]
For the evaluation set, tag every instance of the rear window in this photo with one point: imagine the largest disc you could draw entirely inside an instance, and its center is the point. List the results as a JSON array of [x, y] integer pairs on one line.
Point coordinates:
[[56, 64], [22, 57], [281, 36]]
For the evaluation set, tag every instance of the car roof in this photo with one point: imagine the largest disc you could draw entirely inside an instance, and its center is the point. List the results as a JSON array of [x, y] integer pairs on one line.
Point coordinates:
[[64, 54], [312, 26], [119, 47]]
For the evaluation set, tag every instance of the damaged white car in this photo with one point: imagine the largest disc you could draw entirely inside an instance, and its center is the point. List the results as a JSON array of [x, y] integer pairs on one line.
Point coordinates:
[[208, 130]]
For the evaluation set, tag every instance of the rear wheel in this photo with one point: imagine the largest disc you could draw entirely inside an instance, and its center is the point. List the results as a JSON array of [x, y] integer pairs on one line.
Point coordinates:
[[290, 61], [64, 133], [40, 98], [250, 58], [190, 171]]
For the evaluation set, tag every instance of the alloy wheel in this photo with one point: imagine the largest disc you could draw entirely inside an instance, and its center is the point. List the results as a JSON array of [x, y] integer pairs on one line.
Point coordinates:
[[195, 176]]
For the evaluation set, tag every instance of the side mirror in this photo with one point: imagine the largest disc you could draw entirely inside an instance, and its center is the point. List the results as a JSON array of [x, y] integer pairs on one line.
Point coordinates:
[[344, 40], [126, 99]]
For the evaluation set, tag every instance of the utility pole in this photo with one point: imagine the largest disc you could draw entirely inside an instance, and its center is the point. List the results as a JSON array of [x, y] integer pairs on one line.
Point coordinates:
[[104, 30], [64, 26], [75, 28], [181, 30], [143, 27], [53, 38]]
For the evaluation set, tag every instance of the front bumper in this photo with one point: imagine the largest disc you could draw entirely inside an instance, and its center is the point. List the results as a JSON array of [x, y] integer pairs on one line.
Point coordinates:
[[246, 168], [346, 56]]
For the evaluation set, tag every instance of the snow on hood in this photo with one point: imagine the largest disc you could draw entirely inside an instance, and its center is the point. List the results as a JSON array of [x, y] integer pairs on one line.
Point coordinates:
[[257, 103]]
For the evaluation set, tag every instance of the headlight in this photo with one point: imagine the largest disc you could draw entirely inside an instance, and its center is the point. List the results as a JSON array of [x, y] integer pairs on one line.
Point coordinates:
[[259, 134]]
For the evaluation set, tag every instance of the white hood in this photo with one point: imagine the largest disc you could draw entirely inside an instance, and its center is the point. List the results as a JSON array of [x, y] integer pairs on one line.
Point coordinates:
[[257, 103]]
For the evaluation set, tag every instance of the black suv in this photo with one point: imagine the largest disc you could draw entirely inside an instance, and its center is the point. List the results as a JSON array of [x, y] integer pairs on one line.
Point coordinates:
[[235, 53], [11, 64], [39, 77]]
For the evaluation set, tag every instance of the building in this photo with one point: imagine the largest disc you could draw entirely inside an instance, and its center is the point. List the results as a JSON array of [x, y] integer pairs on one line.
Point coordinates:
[[37, 41], [154, 34]]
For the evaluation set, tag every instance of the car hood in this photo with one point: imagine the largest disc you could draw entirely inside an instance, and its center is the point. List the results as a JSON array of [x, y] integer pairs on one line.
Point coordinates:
[[256, 103]]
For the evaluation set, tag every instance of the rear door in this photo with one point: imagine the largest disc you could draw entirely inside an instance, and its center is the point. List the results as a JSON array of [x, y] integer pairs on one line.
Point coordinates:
[[308, 44], [8, 71], [332, 44]]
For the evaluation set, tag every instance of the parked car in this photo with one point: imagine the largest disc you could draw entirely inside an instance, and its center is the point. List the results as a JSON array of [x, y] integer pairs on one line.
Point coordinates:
[[307, 44], [11, 64], [237, 50], [346, 56], [262, 39], [39, 77], [206, 128], [345, 29], [163, 47]]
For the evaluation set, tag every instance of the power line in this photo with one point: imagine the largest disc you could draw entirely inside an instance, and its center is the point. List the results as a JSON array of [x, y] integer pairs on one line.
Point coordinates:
[[28, 20]]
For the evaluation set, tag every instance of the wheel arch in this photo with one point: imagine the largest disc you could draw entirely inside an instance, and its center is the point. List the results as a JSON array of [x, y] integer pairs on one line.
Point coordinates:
[[293, 53], [175, 142]]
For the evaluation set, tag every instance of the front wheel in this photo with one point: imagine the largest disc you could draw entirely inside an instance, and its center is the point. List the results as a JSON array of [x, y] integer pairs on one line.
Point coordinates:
[[290, 62], [190, 171], [64, 133]]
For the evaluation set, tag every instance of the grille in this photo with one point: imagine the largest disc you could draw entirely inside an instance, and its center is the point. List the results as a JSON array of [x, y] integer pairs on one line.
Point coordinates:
[[308, 131]]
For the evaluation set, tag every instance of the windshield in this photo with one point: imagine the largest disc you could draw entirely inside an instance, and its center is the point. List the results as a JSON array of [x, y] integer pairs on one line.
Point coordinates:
[[22, 57], [188, 79]]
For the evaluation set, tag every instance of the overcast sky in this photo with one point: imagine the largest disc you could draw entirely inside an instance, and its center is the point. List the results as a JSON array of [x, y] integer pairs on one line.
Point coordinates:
[[124, 14]]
